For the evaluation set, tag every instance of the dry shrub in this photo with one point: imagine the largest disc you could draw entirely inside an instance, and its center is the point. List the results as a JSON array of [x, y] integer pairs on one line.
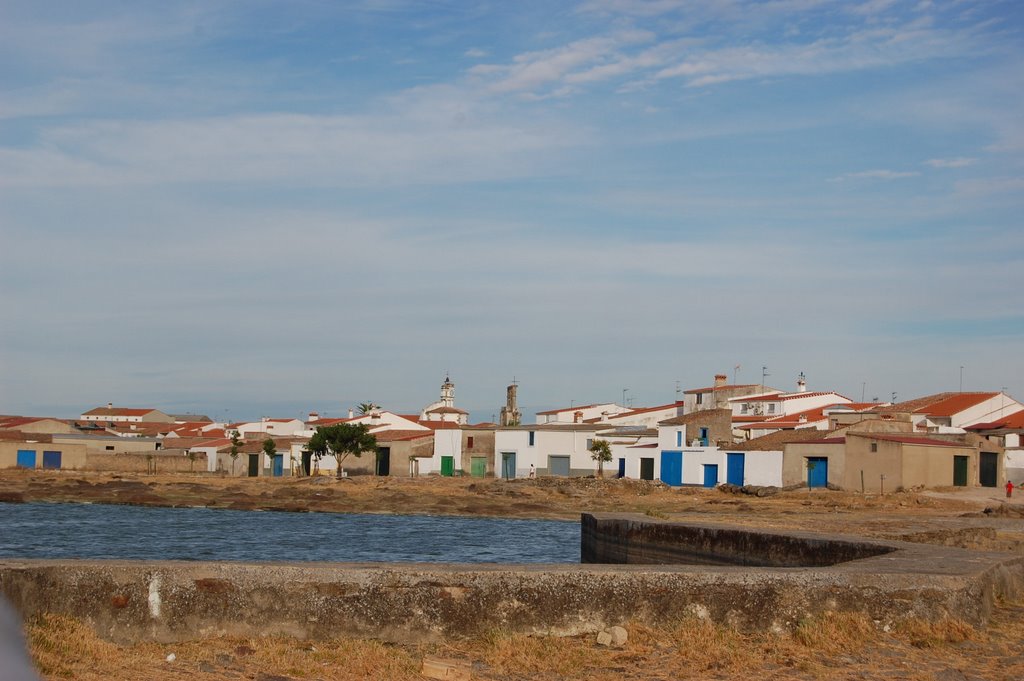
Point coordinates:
[[523, 654], [63, 646], [706, 645], [835, 632], [928, 634]]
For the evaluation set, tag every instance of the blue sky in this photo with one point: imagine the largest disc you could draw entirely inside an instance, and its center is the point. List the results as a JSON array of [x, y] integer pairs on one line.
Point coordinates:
[[254, 208]]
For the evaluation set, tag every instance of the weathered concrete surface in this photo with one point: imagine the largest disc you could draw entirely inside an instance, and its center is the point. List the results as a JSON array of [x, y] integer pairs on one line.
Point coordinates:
[[633, 539], [128, 601]]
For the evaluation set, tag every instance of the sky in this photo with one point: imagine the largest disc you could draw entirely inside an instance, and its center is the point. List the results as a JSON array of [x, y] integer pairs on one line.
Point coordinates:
[[256, 209]]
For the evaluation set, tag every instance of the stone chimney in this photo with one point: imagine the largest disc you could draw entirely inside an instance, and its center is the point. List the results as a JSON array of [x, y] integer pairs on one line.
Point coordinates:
[[720, 380], [510, 414]]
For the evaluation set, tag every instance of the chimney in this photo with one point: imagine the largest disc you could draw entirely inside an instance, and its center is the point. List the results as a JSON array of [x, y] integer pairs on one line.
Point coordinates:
[[803, 418], [801, 383], [577, 417], [720, 380], [350, 413], [313, 416], [110, 405]]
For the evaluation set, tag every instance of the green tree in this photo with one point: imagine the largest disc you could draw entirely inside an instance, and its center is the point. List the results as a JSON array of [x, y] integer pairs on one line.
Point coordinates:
[[191, 461], [601, 452], [270, 449], [341, 440], [235, 442], [367, 407]]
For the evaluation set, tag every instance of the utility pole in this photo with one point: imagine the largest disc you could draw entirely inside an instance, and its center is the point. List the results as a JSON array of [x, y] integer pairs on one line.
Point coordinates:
[[961, 378], [764, 375]]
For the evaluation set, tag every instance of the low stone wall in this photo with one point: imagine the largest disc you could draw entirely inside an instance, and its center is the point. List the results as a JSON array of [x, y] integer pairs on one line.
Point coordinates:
[[644, 541], [166, 600], [143, 462]]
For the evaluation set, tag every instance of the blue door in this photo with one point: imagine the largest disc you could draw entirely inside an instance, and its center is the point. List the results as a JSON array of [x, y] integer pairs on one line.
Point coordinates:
[[51, 459], [622, 468], [26, 458], [508, 465], [710, 474], [277, 468], [672, 468], [817, 471], [734, 469]]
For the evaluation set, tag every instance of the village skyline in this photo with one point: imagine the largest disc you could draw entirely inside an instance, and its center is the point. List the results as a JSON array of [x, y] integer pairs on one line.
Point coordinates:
[[275, 208]]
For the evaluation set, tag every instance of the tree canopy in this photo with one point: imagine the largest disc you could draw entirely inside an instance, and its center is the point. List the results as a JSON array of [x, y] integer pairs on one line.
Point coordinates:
[[601, 452], [341, 440]]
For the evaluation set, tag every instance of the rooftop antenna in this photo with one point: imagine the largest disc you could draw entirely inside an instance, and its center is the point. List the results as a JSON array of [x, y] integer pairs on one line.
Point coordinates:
[[764, 375], [624, 391], [735, 373], [863, 387], [677, 391], [961, 378], [894, 397]]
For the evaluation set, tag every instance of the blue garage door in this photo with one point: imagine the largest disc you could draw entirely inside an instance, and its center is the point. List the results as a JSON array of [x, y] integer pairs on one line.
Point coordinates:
[[672, 468], [26, 458], [710, 474], [734, 469], [817, 471], [51, 459]]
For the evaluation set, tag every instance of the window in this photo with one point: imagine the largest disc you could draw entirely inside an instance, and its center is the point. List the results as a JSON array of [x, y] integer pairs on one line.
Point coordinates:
[[679, 438], [590, 443], [745, 408], [532, 434], [700, 398], [469, 442], [109, 448], [874, 446], [771, 408]]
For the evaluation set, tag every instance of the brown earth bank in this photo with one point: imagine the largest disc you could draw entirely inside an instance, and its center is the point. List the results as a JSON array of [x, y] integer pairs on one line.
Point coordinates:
[[839, 647]]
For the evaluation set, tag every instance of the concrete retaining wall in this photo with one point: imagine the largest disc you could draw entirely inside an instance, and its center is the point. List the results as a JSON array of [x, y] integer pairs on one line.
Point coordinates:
[[164, 600]]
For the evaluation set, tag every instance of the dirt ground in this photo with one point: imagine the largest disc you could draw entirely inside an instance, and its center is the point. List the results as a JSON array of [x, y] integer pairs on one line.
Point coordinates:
[[843, 647]]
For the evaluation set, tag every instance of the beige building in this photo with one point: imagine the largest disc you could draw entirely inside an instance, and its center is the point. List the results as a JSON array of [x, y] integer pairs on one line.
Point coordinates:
[[41, 453], [884, 462]]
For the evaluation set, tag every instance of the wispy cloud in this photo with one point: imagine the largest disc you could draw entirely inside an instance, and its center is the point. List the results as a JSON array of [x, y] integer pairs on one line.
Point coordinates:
[[959, 162], [880, 174]]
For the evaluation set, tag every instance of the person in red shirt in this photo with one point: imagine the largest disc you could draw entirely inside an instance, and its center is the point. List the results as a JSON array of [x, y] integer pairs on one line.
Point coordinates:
[[1009, 489]]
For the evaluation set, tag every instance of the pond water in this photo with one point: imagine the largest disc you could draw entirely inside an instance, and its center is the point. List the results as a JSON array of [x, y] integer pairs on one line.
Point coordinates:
[[45, 530]]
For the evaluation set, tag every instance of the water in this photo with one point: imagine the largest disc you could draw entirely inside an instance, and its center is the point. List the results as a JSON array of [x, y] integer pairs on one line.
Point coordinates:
[[43, 530]]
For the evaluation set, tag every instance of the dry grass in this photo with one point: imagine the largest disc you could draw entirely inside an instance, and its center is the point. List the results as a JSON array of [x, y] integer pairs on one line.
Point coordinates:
[[925, 634], [832, 646]]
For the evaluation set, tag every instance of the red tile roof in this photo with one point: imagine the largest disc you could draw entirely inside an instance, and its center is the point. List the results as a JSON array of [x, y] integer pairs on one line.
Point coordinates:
[[402, 435], [911, 440], [1013, 422], [117, 411], [939, 404]]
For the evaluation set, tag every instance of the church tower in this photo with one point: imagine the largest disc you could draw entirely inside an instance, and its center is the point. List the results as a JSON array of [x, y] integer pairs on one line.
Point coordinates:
[[510, 414], [448, 392]]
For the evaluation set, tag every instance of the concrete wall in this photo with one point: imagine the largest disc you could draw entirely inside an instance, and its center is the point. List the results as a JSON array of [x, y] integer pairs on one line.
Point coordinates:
[[128, 601], [72, 456], [794, 461], [142, 462], [762, 468]]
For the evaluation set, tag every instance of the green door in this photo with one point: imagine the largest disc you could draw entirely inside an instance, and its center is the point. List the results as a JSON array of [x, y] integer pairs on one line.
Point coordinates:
[[254, 465], [478, 466], [447, 466], [960, 471]]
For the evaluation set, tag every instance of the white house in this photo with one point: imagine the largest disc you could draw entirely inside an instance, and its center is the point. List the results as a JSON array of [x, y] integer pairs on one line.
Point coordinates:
[[268, 427], [581, 414], [952, 412], [550, 449]]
